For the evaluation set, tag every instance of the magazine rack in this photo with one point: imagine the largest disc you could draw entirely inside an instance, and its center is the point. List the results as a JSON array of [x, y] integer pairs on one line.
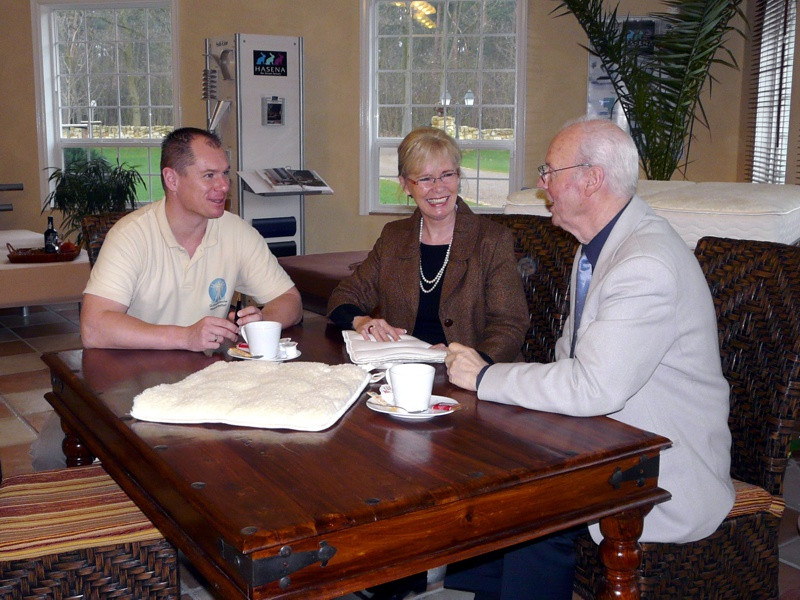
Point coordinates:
[[277, 181]]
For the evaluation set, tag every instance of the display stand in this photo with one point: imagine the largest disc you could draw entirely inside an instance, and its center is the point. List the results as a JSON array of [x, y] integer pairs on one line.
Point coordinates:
[[254, 94]]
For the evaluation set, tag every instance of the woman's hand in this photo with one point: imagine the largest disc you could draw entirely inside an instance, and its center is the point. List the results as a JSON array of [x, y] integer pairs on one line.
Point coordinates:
[[379, 329]]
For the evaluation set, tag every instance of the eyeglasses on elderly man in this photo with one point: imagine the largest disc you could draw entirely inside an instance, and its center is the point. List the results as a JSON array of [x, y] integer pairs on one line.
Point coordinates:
[[544, 170]]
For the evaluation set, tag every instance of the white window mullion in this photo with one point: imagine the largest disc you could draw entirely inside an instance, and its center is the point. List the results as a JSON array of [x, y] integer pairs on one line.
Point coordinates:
[[385, 19], [104, 87]]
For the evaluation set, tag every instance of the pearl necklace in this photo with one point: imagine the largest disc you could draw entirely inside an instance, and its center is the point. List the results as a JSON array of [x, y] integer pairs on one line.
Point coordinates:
[[423, 281]]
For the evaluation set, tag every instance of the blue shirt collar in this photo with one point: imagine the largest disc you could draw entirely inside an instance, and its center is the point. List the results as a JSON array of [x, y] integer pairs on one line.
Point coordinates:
[[593, 248]]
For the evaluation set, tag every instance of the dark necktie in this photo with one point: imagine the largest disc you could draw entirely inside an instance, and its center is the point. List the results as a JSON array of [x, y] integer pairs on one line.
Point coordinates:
[[582, 286]]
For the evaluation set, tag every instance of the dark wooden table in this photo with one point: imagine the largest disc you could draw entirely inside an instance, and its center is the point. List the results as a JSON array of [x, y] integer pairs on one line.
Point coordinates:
[[284, 514]]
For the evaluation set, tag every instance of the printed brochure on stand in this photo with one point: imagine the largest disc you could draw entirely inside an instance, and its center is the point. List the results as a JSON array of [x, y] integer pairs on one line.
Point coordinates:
[[278, 180]]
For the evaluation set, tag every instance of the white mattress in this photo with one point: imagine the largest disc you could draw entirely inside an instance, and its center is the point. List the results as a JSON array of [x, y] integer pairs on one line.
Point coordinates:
[[752, 211]]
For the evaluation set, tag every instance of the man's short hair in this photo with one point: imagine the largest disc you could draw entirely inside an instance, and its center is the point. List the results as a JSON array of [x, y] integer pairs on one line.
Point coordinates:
[[176, 149], [606, 145]]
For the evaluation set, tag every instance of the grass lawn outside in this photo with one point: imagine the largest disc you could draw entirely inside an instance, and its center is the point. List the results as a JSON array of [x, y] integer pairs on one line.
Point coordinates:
[[147, 162], [491, 160], [137, 158], [392, 194], [495, 161]]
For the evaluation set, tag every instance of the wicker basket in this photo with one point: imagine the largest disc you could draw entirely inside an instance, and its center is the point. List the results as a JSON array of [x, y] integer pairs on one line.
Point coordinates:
[[127, 571], [73, 533]]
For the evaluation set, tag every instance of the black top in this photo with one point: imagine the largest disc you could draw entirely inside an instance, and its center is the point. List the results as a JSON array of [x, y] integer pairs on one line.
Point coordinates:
[[428, 327]]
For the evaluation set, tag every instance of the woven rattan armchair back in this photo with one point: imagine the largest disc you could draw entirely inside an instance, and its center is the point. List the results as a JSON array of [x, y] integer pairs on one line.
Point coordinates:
[[544, 258], [756, 290], [95, 228]]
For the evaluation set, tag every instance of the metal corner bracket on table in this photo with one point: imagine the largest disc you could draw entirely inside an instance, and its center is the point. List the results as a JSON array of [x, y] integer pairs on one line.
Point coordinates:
[[645, 469], [278, 568]]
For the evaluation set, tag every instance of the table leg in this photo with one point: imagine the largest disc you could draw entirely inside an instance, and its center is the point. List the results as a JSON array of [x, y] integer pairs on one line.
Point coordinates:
[[75, 450], [621, 554]]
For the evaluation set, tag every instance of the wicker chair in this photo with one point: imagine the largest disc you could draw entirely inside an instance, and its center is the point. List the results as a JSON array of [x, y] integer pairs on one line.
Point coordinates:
[[756, 291], [95, 228], [544, 256], [73, 533]]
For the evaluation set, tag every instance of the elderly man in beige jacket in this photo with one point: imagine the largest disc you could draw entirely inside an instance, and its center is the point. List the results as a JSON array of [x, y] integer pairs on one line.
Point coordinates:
[[645, 350]]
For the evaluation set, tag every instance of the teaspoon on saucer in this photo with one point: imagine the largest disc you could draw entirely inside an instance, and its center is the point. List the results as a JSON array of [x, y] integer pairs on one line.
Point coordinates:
[[379, 399]]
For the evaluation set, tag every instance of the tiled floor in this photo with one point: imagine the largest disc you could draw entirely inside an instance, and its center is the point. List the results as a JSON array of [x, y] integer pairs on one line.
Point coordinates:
[[24, 380]]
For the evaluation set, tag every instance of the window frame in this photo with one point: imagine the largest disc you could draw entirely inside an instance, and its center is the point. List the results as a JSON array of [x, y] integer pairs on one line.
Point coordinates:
[[49, 142], [371, 145]]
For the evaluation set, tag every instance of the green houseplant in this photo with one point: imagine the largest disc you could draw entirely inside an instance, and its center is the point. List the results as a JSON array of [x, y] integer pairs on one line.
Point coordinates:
[[659, 92], [93, 186]]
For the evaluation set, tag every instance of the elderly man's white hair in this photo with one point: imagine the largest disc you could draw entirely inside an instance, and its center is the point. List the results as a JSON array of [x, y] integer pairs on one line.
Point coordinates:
[[606, 145]]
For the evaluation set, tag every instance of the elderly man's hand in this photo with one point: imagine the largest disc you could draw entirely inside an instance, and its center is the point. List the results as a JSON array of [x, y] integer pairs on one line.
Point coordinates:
[[463, 366]]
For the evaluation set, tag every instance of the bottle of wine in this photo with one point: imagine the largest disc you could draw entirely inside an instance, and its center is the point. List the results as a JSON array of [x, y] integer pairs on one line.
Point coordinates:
[[50, 237]]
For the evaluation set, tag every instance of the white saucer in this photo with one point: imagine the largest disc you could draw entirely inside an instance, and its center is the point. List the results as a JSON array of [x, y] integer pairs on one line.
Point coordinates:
[[242, 354], [397, 413]]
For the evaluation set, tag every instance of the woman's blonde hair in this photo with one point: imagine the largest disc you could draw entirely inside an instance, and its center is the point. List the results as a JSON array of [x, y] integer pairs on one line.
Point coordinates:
[[419, 145]]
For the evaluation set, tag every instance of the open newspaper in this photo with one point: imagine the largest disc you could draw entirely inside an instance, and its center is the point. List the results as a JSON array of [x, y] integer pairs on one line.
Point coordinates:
[[285, 181]]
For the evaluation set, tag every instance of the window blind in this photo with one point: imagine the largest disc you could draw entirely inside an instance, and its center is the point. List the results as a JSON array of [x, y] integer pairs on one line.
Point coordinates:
[[768, 135]]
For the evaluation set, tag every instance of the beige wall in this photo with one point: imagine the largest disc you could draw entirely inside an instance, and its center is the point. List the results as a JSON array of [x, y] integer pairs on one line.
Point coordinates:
[[19, 162], [330, 31], [557, 71]]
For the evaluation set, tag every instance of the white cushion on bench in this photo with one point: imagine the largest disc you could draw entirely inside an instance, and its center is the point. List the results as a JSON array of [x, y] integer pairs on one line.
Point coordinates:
[[769, 212]]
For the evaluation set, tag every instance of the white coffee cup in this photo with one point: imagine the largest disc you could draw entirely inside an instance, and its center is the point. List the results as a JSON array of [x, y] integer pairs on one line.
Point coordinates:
[[412, 384], [262, 337]]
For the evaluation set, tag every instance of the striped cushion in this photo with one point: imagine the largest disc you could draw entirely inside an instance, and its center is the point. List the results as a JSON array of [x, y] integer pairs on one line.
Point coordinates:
[[752, 499], [67, 509]]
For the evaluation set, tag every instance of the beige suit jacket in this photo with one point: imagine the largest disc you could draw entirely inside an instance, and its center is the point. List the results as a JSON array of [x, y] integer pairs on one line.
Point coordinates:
[[647, 354]]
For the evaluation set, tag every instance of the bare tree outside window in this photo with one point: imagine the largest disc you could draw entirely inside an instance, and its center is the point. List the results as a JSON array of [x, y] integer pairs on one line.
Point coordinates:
[[112, 81], [450, 64]]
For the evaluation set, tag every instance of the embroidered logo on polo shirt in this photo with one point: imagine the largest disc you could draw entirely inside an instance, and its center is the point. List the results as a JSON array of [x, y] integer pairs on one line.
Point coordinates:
[[217, 291]]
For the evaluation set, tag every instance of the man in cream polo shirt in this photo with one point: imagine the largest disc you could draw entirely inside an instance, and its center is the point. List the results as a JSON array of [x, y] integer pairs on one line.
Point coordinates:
[[167, 272]]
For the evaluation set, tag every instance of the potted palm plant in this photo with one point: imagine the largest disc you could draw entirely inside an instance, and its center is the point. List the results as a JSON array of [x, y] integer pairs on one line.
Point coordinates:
[[88, 187], [659, 92]]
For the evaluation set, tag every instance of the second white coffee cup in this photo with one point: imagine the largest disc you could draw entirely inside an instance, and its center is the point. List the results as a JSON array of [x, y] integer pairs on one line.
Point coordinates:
[[262, 338], [412, 384]]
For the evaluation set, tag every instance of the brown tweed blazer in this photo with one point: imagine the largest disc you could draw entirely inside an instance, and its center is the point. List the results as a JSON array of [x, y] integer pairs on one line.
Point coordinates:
[[483, 304]]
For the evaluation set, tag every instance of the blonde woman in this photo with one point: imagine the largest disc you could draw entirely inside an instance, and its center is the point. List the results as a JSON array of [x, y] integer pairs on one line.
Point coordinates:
[[444, 274]]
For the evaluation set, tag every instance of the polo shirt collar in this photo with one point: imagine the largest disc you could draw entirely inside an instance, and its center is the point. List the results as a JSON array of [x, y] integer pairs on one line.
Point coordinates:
[[210, 237]]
